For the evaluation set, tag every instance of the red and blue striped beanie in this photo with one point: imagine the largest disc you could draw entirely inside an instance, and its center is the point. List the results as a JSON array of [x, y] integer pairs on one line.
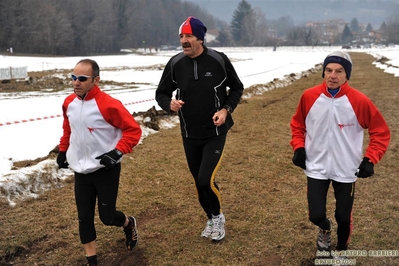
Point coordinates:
[[194, 27]]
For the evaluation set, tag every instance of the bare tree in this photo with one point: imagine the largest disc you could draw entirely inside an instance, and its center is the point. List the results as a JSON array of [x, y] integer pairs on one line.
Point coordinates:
[[248, 35], [260, 30], [308, 36], [6, 22], [49, 29], [282, 25], [391, 32], [294, 36], [14, 24]]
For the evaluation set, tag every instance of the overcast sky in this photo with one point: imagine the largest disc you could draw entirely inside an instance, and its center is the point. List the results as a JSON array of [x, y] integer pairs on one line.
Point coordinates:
[[373, 12]]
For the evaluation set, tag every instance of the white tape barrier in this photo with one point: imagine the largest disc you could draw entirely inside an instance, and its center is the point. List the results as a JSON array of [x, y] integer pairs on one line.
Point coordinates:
[[55, 116]]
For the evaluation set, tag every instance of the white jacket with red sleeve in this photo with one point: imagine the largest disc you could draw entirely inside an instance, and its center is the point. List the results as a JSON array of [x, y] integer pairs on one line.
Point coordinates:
[[332, 128], [93, 126]]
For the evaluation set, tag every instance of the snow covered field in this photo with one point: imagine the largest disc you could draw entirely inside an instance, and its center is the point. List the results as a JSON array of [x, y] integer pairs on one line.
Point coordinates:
[[31, 123]]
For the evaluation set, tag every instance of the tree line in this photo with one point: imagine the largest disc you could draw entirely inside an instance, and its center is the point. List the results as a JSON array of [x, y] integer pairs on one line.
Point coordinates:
[[86, 27], [77, 27]]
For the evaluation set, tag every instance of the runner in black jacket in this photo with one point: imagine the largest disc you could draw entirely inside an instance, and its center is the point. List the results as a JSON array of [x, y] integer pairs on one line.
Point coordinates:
[[197, 80]]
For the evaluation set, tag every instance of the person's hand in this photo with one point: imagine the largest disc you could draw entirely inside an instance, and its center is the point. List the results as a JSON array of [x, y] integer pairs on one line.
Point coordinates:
[[175, 105], [366, 168], [299, 158], [62, 160], [110, 158], [219, 118]]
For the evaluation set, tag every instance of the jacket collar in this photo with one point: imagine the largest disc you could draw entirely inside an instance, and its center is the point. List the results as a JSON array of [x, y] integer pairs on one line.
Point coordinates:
[[203, 54], [91, 94], [342, 90]]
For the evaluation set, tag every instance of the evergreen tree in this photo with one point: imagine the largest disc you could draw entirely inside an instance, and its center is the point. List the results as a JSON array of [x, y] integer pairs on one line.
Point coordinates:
[[369, 28], [346, 35], [238, 23], [383, 26], [223, 38], [354, 25]]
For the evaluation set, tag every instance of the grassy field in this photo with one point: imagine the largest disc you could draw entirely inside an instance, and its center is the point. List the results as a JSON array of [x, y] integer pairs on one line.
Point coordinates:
[[263, 193]]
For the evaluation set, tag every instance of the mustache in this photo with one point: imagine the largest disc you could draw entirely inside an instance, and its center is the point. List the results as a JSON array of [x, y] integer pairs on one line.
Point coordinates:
[[185, 45]]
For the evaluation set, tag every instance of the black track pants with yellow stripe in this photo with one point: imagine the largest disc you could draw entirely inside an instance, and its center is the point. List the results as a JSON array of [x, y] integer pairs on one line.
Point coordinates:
[[203, 158]]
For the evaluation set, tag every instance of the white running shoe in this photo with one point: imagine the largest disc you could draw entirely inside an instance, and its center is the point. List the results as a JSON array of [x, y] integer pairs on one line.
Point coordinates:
[[324, 239], [218, 227], [208, 229]]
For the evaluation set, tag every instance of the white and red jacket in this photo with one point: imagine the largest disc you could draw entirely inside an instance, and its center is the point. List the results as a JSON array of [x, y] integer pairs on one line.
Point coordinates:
[[93, 126], [331, 130]]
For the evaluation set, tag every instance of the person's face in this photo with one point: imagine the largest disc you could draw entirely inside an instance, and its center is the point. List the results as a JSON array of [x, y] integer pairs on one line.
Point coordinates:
[[192, 46], [334, 75], [82, 87]]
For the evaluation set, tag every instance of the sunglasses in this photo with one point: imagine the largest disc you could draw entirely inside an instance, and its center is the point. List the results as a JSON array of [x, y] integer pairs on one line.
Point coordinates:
[[80, 78]]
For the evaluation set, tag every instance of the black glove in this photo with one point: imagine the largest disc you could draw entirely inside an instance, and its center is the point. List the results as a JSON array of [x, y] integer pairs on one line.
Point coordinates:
[[62, 160], [299, 158], [366, 168], [110, 158]]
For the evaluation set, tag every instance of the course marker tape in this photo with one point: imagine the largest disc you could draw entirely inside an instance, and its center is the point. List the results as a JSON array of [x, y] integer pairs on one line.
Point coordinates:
[[55, 116]]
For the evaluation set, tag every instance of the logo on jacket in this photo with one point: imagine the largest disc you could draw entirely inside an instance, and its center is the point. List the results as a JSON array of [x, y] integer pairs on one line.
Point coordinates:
[[91, 129], [341, 126], [208, 74]]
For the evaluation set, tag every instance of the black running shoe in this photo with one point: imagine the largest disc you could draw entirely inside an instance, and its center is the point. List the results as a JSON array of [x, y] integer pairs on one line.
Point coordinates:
[[91, 260], [131, 234]]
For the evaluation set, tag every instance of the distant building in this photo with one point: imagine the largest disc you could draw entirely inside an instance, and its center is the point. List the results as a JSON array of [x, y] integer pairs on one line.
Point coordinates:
[[327, 30], [211, 36]]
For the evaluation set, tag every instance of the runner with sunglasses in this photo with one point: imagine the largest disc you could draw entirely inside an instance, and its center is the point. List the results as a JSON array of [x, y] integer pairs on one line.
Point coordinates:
[[81, 78], [97, 131]]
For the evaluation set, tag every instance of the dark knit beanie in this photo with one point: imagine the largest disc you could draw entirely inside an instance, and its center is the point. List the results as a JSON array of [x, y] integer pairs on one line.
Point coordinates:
[[194, 27], [341, 58]]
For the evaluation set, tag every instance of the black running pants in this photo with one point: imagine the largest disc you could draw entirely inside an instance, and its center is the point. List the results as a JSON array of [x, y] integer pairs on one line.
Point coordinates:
[[203, 158], [344, 194], [102, 185]]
